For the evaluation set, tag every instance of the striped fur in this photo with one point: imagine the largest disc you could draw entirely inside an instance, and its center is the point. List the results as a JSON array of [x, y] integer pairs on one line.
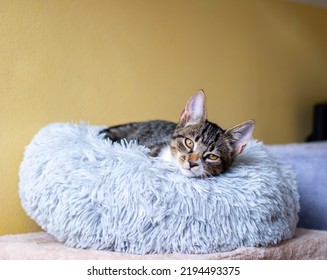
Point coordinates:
[[197, 146]]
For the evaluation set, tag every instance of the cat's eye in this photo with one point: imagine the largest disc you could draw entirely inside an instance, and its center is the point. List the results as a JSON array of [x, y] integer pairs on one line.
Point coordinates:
[[189, 143], [212, 157]]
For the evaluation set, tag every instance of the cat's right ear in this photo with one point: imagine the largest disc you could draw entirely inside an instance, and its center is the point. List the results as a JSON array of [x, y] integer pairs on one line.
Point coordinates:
[[240, 135], [195, 109]]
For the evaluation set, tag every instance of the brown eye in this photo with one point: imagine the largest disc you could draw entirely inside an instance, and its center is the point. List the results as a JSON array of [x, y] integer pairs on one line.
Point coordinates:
[[189, 143], [212, 157]]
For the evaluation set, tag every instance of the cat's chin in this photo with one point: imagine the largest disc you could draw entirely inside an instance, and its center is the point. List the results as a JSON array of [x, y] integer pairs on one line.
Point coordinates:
[[190, 173]]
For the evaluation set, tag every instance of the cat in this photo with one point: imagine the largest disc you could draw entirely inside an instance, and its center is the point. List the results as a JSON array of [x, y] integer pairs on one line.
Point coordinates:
[[198, 147]]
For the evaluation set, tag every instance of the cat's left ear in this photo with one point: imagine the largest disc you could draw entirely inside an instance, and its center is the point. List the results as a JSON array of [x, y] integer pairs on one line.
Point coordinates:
[[195, 109], [240, 135]]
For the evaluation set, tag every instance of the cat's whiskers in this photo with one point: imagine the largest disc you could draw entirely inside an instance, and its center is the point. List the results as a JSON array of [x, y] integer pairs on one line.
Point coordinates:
[[206, 174]]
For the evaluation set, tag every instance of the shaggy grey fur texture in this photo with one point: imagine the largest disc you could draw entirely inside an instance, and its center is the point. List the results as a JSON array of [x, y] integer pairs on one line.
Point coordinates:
[[90, 193]]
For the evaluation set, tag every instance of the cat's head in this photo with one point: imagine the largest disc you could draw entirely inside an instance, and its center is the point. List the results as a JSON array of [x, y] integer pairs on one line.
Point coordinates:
[[202, 148]]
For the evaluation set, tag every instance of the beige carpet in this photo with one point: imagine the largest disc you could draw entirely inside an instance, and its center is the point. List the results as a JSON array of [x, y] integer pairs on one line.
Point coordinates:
[[307, 244]]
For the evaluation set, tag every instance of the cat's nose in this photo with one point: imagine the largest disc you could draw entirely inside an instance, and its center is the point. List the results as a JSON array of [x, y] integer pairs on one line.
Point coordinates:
[[193, 164]]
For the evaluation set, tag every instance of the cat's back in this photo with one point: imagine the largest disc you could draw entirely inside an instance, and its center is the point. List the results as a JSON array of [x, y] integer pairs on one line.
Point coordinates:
[[152, 132], [147, 133]]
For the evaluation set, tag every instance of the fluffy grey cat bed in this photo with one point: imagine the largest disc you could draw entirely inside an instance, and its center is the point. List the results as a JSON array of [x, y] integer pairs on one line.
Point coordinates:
[[90, 193]]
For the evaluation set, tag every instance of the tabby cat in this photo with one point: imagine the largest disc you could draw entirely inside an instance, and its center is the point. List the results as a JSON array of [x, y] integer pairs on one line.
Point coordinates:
[[199, 148]]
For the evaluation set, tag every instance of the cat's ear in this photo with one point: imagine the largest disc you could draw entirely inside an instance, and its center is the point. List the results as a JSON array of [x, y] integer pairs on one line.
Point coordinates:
[[240, 135], [195, 109]]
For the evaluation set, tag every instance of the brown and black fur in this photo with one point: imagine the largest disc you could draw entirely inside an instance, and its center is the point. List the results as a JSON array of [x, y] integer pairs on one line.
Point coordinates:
[[152, 134]]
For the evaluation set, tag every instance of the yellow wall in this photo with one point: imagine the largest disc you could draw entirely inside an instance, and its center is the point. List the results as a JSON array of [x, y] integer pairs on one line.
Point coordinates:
[[109, 62]]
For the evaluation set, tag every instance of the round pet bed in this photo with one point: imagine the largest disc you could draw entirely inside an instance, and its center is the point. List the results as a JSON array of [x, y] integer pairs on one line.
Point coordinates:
[[91, 193]]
